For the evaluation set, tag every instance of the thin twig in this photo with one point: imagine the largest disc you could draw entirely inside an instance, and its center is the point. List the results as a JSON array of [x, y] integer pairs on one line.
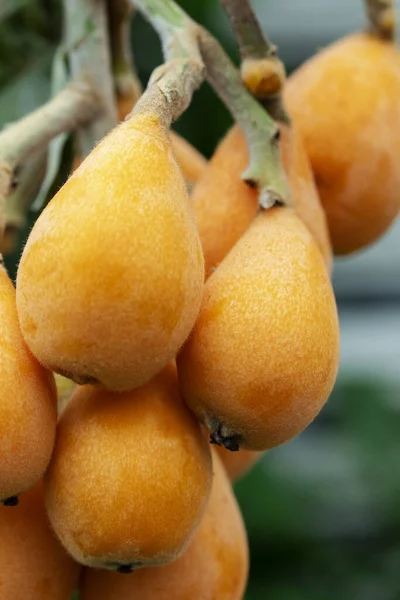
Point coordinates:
[[76, 105], [187, 46], [175, 28], [87, 41], [262, 134], [382, 18], [171, 85], [252, 41]]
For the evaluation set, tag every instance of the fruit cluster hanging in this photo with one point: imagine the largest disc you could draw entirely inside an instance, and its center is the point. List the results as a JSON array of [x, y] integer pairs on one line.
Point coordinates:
[[163, 302]]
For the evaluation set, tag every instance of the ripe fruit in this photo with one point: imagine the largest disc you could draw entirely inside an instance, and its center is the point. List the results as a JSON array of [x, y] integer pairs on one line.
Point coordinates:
[[262, 359], [188, 158], [33, 564], [27, 404], [215, 565], [130, 475], [238, 464], [111, 278], [225, 206], [344, 102]]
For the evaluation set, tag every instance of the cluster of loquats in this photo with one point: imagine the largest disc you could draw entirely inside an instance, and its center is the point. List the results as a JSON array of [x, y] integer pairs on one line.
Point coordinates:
[[148, 321]]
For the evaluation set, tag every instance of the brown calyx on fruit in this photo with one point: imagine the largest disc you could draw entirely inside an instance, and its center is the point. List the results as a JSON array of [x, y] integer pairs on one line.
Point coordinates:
[[229, 441], [11, 501], [128, 568], [263, 356]]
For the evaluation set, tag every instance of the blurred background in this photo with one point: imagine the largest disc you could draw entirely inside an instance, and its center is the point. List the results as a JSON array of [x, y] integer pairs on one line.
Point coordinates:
[[322, 512]]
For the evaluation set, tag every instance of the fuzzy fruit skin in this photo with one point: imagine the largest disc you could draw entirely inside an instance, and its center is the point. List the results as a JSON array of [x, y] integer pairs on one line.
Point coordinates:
[[111, 278], [344, 102], [130, 475], [215, 565], [33, 564], [190, 160], [28, 411], [263, 356], [225, 206], [238, 464]]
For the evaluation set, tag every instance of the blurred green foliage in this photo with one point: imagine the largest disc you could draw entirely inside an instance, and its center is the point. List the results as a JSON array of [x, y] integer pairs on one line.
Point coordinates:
[[321, 511]]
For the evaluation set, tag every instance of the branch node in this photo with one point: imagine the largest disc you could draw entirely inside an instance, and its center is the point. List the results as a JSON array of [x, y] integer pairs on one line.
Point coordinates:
[[262, 72], [76, 105], [263, 77]]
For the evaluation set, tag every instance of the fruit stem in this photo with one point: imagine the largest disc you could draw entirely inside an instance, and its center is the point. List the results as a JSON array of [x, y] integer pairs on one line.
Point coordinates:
[[126, 82], [170, 89], [171, 85], [382, 18], [188, 48], [87, 42], [265, 169], [263, 73], [74, 106]]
